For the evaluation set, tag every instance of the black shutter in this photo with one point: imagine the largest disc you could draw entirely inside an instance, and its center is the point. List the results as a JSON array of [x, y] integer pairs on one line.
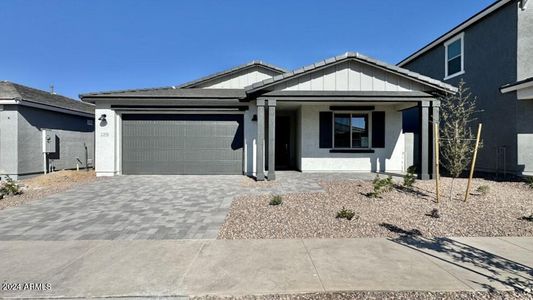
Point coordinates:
[[378, 129], [326, 129]]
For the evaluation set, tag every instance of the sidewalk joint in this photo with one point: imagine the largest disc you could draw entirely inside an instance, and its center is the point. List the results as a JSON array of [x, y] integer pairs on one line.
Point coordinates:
[[314, 266]]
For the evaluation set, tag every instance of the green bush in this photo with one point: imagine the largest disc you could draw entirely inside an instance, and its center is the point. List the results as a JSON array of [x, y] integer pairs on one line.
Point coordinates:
[[10, 187], [409, 178], [529, 181], [381, 186], [483, 189], [434, 213], [276, 200], [345, 214], [528, 218]]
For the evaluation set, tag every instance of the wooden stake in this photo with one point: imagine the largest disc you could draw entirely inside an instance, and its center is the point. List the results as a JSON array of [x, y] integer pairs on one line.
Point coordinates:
[[436, 150], [473, 161]]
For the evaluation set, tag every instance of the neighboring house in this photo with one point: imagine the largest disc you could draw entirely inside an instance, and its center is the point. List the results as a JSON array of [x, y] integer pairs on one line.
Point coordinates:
[[343, 114], [493, 53], [33, 121]]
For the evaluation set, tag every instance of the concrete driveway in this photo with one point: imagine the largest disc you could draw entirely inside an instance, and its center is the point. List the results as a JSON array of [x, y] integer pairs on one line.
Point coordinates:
[[142, 207]]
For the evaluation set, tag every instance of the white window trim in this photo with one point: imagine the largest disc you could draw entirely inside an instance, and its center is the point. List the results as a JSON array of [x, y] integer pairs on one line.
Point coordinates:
[[359, 112], [461, 37]]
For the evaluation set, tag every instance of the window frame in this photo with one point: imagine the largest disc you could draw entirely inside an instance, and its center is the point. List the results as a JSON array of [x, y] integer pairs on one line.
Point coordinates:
[[458, 37], [368, 115]]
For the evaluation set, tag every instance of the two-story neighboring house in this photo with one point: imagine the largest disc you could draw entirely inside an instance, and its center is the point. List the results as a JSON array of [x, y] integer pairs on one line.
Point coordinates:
[[493, 53]]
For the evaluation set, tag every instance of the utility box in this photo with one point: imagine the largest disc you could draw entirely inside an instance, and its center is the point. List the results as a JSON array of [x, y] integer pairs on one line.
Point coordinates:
[[49, 141]]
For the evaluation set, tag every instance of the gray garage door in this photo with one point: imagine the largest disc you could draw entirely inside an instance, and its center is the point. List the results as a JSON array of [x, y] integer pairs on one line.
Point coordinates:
[[182, 144]]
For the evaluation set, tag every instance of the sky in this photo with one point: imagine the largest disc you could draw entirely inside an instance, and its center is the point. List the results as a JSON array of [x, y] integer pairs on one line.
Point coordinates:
[[83, 46]]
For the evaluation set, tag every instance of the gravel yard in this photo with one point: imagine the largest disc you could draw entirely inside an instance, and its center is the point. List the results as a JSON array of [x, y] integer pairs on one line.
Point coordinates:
[[500, 212], [47, 184], [387, 296]]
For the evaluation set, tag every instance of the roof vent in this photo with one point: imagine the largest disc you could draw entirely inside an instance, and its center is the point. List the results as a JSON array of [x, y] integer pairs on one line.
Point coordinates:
[[52, 89]]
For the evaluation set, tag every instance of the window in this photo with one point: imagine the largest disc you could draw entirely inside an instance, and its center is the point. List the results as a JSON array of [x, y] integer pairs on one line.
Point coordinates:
[[454, 56], [350, 130]]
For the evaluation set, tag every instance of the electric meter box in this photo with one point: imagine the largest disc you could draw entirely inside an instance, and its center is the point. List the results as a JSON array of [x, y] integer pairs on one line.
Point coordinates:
[[49, 141]]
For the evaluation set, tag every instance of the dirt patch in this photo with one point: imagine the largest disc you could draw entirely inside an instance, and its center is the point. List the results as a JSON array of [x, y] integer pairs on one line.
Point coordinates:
[[500, 212], [44, 185]]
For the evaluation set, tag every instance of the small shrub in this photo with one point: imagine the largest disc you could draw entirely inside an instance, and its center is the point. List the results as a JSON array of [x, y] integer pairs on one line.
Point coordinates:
[[345, 214], [409, 178], [528, 218], [529, 181], [381, 186], [483, 189], [276, 200], [434, 213], [10, 187]]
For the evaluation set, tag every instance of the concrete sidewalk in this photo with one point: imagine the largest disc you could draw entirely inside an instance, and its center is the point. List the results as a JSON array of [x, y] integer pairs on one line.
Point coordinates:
[[246, 267]]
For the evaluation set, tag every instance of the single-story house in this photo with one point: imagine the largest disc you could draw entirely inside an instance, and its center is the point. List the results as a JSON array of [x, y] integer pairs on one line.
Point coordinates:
[[42, 131], [343, 114]]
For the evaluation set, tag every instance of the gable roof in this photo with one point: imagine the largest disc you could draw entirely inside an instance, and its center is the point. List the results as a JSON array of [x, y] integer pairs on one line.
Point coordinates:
[[18, 92], [252, 64], [439, 85], [458, 29]]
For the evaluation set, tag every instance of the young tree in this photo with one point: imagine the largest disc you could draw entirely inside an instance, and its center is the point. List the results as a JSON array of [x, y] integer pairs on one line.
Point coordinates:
[[456, 136]]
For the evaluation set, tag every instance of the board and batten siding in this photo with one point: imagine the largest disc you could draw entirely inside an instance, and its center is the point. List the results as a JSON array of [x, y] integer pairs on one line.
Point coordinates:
[[351, 76], [239, 79]]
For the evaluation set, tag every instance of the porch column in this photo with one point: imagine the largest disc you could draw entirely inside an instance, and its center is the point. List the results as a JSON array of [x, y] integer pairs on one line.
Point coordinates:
[[260, 166], [271, 139], [435, 117], [424, 140]]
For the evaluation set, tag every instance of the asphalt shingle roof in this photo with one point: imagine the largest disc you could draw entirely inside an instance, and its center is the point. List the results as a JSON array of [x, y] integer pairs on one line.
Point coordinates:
[[170, 92], [15, 91]]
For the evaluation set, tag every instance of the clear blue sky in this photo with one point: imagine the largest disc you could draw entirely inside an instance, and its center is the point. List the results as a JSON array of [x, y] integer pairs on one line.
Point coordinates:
[[97, 45]]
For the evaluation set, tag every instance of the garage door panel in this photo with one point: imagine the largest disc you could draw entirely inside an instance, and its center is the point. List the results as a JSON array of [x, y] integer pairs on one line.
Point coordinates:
[[211, 155], [182, 144], [155, 128], [155, 156], [210, 167], [151, 142], [219, 143]]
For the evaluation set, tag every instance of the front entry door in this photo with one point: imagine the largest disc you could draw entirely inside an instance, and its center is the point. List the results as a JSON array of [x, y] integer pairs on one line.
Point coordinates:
[[283, 142]]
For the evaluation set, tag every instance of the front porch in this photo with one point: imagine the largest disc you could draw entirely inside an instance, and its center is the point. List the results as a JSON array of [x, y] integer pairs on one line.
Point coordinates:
[[341, 132]]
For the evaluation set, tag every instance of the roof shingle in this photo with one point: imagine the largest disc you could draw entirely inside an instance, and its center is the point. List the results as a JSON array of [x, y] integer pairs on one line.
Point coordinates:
[[15, 91]]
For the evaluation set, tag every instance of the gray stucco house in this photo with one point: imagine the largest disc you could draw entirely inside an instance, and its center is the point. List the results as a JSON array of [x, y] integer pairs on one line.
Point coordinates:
[[342, 114], [42, 131], [492, 53]]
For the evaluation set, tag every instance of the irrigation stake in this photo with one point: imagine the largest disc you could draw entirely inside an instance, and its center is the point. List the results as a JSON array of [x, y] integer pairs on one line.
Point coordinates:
[[473, 161], [436, 150]]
